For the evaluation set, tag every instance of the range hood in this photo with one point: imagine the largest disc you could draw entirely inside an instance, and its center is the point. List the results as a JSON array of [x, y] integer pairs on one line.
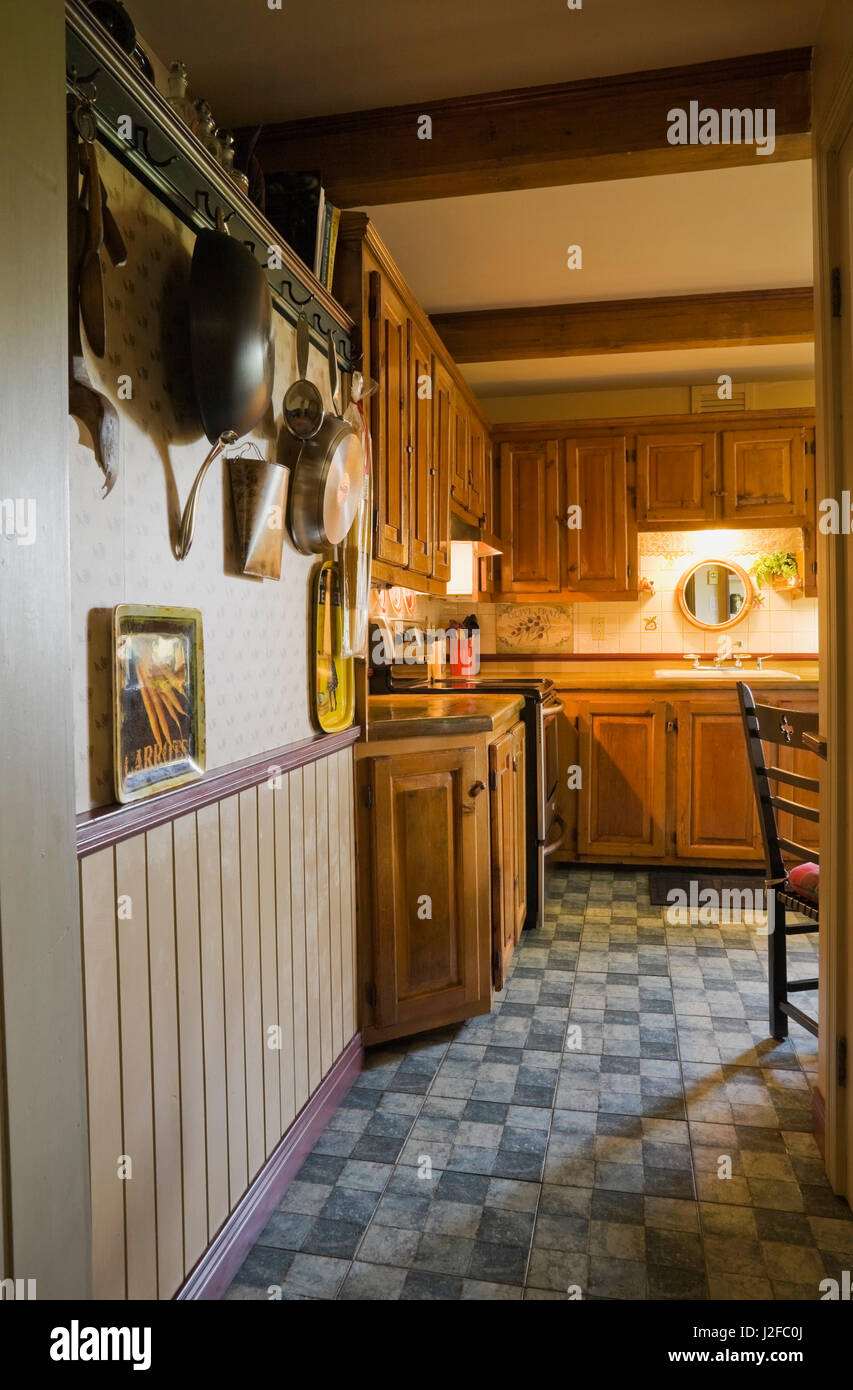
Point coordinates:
[[486, 542]]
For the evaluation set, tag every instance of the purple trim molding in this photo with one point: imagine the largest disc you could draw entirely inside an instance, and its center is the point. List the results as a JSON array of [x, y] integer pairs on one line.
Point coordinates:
[[109, 825], [221, 1260]]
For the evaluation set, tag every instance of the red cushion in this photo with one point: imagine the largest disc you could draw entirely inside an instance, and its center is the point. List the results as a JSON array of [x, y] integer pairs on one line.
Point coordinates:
[[805, 879]]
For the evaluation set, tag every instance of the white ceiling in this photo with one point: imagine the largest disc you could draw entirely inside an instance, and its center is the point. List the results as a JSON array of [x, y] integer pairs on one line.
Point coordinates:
[[774, 362], [254, 63], [723, 229]]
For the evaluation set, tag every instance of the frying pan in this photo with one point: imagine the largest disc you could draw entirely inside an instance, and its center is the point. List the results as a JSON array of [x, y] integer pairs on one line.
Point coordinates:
[[325, 491], [232, 346]]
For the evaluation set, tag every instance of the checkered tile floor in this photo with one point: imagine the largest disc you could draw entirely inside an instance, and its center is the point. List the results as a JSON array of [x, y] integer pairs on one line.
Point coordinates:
[[576, 1136]]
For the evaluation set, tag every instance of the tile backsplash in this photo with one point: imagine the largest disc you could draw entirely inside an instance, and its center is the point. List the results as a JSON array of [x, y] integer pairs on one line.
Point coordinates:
[[778, 623]]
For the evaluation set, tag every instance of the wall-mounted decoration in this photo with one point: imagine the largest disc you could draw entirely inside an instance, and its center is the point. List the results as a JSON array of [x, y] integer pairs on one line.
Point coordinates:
[[650, 625], [158, 685], [534, 627], [334, 678], [714, 594]]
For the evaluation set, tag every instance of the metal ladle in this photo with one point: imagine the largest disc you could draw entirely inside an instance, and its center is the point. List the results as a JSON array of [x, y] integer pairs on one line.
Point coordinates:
[[303, 404]]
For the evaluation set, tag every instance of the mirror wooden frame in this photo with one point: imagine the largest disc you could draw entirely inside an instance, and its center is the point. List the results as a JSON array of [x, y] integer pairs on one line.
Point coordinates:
[[749, 595]]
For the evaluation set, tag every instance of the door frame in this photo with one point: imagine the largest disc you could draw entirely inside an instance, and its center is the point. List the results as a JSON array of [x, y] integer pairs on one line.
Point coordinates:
[[834, 464]]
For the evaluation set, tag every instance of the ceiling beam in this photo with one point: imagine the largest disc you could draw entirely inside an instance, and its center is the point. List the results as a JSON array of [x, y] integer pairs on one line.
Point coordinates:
[[629, 325], [542, 137]]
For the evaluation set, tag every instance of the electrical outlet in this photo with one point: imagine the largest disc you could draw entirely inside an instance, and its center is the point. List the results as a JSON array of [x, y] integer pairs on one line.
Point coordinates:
[[597, 627]]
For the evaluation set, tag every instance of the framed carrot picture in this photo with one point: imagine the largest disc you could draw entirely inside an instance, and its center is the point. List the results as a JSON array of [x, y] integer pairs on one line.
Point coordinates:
[[158, 685]]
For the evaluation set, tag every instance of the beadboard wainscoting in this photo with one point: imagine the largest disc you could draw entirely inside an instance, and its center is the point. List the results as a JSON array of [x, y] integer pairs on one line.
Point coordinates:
[[202, 936]]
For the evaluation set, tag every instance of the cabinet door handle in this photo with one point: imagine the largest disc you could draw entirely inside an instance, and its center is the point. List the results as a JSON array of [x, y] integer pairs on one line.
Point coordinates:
[[716, 493], [515, 763], [672, 726], [477, 788]]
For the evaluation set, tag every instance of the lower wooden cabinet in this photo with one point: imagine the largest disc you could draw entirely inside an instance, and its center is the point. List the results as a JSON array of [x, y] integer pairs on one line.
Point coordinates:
[[714, 798], [623, 792], [665, 780], [441, 888]]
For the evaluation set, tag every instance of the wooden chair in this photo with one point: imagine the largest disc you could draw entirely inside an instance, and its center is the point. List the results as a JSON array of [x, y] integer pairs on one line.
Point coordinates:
[[785, 728]]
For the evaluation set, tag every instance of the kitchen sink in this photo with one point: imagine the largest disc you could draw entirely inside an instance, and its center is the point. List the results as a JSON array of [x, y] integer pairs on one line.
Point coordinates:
[[725, 673]]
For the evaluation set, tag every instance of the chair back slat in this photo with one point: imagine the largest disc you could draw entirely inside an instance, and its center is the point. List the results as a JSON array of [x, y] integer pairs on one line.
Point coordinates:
[[793, 779], [794, 808], [784, 726], [801, 852]]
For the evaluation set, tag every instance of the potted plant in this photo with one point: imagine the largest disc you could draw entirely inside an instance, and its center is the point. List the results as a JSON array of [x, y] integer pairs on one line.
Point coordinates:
[[778, 570]]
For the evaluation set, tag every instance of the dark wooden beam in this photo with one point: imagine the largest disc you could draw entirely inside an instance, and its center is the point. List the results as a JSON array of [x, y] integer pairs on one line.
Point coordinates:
[[540, 137], [630, 325]]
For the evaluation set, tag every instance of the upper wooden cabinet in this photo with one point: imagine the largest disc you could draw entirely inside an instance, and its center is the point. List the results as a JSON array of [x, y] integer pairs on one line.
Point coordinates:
[[530, 517], [429, 439], [597, 551], [676, 477], [764, 473], [389, 356], [421, 473], [552, 548]]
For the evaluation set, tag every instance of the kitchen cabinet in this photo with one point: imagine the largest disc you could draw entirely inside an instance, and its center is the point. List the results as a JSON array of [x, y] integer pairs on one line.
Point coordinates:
[[477, 453], [541, 480], [764, 473], [664, 778], [441, 881], [442, 443], [623, 759], [430, 442], [389, 352], [426, 915], [676, 477], [502, 784], [530, 519], [422, 499], [601, 553], [714, 798]]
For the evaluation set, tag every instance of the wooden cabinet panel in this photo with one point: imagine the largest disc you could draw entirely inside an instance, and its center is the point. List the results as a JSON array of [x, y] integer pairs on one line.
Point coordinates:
[[675, 477], [530, 519], [623, 771], [420, 474], [764, 473], [518, 771], [502, 784], [715, 803], [460, 458], [477, 466], [425, 914], [390, 420], [597, 553], [442, 426]]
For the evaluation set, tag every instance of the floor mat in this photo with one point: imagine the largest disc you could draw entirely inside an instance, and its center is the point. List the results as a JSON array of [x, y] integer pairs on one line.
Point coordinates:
[[662, 882]]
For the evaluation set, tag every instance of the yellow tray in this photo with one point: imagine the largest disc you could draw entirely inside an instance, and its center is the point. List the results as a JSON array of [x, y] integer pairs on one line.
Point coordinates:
[[334, 675]]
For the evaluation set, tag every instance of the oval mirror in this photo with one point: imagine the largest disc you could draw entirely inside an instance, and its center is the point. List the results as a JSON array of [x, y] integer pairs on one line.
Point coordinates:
[[715, 594]]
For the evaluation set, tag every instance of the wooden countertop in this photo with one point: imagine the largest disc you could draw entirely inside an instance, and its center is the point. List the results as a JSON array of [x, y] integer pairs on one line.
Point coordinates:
[[419, 716], [614, 674]]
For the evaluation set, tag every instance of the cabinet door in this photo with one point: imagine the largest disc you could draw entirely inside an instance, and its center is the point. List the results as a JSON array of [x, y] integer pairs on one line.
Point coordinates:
[[430, 961], [442, 426], [675, 477], [477, 470], [461, 462], [714, 798], [764, 473], [390, 418], [623, 760], [530, 519], [598, 557], [421, 490], [503, 812], [519, 777]]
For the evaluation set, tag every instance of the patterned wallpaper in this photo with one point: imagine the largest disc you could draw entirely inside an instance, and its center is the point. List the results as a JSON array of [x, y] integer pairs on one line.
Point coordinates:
[[255, 631]]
